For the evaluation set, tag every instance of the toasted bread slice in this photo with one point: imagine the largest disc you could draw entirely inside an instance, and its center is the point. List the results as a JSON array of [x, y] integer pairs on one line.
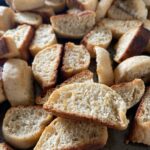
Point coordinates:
[[6, 18], [4, 146], [23, 126], [56, 5], [44, 37], [22, 36], [141, 132], [128, 10], [102, 8], [73, 26], [89, 101], [76, 59], [99, 36], [17, 81], [131, 92], [84, 76], [132, 68], [82, 4], [104, 66], [120, 27], [129, 45], [72, 135], [45, 65], [24, 5], [28, 18]]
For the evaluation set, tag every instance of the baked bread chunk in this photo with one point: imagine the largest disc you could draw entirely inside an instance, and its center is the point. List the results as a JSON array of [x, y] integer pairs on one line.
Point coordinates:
[[45, 65], [76, 59], [89, 101], [44, 37], [72, 135], [23, 126], [17, 81]]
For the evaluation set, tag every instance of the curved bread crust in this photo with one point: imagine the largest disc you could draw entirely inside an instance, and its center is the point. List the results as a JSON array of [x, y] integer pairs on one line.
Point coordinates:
[[89, 101], [88, 136], [45, 65], [22, 126], [132, 68]]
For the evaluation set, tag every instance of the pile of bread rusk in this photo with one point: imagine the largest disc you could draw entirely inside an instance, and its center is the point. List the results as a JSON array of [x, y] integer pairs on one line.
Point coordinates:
[[71, 69]]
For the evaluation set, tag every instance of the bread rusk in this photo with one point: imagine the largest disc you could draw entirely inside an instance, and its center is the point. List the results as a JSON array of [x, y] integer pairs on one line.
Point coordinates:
[[84, 76], [6, 18], [132, 43], [104, 66], [23, 126], [73, 26], [72, 135], [43, 38], [131, 92], [4, 146], [45, 65], [89, 101], [99, 36], [82, 4], [17, 81], [132, 68], [28, 18], [76, 59], [140, 131]]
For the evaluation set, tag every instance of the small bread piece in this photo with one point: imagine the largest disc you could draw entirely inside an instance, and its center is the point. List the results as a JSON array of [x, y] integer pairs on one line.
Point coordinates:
[[23, 126], [6, 18], [76, 59], [17, 81], [73, 26], [104, 66], [127, 9], [4, 146], [132, 68], [132, 43], [141, 132], [21, 36], [72, 135], [57, 5], [89, 101], [102, 8], [120, 27], [131, 92], [45, 65], [82, 4], [99, 36], [84, 76], [25, 5], [28, 18], [44, 37]]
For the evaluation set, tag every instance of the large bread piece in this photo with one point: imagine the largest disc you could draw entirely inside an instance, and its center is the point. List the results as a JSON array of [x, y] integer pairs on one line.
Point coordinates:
[[82, 4], [72, 135], [131, 92], [23, 126], [84, 76], [4, 146], [44, 37], [73, 26], [132, 68], [89, 101], [132, 43], [17, 81], [25, 5], [141, 132], [104, 66], [76, 59], [21, 36], [6, 18], [45, 65], [99, 36], [120, 27]]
